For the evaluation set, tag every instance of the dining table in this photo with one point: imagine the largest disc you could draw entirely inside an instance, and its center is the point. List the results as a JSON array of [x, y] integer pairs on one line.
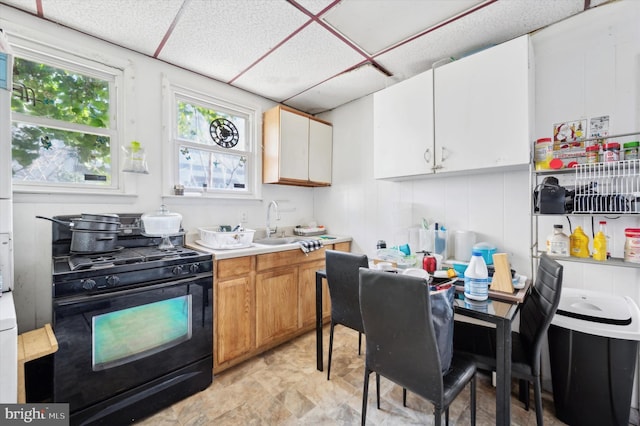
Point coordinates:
[[500, 309]]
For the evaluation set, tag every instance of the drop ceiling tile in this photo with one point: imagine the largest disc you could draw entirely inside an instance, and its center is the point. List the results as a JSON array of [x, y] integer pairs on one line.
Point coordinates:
[[221, 39], [314, 6], [309, 58], [494, 24], [129, 23], [28, 5], [377, 24], [340, 90]]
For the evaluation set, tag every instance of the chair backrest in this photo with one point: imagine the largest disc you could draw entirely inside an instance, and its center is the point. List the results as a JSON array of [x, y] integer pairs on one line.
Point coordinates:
[[342, 277], [401, 340], [540, 307]]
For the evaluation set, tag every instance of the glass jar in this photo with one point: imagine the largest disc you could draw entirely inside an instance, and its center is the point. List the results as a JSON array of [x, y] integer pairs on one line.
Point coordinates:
[[611, 152], [631, 150], [593, 154]]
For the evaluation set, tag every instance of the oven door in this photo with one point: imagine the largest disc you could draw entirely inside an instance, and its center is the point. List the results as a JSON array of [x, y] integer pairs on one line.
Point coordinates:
[[113, 343]]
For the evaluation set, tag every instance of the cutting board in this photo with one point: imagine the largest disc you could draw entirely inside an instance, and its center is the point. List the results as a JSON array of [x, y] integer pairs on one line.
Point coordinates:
[[502, 280]]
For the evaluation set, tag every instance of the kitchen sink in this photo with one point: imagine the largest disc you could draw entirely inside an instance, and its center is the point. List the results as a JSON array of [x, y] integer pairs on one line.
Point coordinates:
[[277, 241]]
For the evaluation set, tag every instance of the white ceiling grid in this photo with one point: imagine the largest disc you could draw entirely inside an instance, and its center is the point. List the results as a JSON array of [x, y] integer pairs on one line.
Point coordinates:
[[313, 55]]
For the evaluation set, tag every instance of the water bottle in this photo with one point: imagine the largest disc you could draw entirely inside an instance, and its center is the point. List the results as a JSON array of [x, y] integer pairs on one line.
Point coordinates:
[[476, 278]]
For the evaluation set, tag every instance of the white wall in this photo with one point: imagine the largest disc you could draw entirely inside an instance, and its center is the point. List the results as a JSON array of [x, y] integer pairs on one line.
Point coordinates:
[[32, 237]]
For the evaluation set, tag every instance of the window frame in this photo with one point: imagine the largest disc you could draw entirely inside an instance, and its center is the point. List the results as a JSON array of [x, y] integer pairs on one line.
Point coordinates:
[[172, 94], [73, 62]]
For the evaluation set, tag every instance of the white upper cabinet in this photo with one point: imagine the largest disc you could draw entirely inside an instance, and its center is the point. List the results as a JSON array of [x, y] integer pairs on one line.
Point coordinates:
[[403, 128], [297, 148], [483, 106]]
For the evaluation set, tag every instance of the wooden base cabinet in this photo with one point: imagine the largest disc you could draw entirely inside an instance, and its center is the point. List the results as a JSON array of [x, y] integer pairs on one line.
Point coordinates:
[[264, 300]]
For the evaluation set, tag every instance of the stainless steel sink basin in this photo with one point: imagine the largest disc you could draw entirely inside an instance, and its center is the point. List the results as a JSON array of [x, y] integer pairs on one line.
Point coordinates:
[[277, 241]]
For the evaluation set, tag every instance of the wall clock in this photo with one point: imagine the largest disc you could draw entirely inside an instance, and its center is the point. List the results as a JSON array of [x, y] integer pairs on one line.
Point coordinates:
[[224, 132]]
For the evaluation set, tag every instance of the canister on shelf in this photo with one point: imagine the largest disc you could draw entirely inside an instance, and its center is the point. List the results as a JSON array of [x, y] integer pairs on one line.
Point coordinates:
[[593, 154], [631, 150], [611, 152], [543, 153], [632, 245]]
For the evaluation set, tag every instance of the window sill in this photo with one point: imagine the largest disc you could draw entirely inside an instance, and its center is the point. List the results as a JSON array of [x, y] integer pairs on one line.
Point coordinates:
[[52, 197]]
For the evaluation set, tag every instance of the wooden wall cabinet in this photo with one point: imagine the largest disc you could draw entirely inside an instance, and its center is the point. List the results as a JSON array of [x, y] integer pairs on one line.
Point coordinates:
[[297, 148], [264, 300]]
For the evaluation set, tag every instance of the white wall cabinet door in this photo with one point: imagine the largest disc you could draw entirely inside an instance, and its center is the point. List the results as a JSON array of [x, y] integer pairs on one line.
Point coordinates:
[[403, 128], [320, 151], [294, 146], [482, 109]]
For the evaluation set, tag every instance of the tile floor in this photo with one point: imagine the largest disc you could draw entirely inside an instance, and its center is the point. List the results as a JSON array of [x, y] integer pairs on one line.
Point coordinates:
[[283, 387]]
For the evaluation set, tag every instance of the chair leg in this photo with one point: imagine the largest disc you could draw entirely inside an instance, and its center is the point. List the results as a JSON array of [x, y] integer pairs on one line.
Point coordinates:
[[446, 416], [473, 401], [438, 417], [359, 343], [523, 393], [378, 389], [365, 395], [330, 350], [537, 393], [404, 397]]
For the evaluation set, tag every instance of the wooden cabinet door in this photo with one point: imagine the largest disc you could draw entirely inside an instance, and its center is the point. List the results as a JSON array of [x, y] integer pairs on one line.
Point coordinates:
[[276, 304], [307, 288], [482, 105], [403, 128], [320, 151], [294, 146], [233, 318]]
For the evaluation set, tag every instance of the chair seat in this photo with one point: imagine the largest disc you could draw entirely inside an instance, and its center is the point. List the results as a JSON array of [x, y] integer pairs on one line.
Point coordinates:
[[479, 343], [461, 372]]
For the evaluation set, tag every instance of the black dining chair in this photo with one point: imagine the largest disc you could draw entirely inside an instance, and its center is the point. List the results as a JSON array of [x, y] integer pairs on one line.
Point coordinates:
[[401, 343], [536, 314], [342, 278]]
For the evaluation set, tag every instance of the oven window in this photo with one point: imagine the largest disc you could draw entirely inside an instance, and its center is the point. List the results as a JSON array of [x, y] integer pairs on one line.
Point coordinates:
[[134, 333]]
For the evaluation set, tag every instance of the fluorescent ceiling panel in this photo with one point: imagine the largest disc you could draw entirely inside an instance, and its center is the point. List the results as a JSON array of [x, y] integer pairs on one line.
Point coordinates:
[[377, 24]]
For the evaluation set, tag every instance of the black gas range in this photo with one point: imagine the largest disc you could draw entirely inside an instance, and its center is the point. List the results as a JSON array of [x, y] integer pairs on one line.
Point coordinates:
[[134, 325], [136, 260]]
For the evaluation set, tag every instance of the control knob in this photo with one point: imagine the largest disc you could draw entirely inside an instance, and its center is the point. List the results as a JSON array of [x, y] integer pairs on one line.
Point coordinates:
[[88, 284], [177, 270], [112, 280], [194, 268]]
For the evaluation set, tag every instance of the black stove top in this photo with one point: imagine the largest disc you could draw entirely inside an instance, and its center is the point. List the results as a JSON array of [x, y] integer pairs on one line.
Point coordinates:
[[137, 261]]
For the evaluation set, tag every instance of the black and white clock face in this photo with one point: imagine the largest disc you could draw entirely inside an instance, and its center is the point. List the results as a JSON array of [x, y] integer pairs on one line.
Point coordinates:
[[224, 133]]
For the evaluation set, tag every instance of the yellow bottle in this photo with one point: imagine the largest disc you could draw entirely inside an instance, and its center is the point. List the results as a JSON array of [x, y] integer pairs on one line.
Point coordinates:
[[579, 243], [600, 246]]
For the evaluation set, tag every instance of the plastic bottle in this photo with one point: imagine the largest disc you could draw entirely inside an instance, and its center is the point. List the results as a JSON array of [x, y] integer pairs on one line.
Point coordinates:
[[600, 243], [603, 227], [558, 242], [579, 243], [476, 278]]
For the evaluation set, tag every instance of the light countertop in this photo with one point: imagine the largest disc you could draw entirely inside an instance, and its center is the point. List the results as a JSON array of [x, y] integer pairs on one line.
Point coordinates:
[[262, 249]]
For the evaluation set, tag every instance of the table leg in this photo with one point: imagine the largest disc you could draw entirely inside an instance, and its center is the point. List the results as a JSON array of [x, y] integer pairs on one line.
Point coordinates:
[[503, 373], [319, 360]]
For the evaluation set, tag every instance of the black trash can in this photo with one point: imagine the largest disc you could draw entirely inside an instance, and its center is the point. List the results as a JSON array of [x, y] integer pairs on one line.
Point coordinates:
[[593, 346]]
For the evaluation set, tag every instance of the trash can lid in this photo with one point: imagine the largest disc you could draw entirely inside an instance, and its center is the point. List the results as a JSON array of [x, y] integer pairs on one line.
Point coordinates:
[[598, 313]]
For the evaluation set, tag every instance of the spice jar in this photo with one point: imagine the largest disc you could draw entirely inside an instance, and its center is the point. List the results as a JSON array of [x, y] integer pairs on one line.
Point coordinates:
[[611, 151], [593, 154], [631, 150], [543, 153]]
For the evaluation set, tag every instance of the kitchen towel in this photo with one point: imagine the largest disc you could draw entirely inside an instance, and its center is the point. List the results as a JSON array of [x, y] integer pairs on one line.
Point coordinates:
[[310, 245]]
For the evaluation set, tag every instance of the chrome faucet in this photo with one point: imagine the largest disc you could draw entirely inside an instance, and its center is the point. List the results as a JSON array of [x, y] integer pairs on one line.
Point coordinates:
[[269, 230]]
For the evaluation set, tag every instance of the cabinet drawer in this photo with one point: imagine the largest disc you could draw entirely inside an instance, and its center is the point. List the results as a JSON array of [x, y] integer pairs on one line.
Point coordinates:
[[226, 268], [286, 258]]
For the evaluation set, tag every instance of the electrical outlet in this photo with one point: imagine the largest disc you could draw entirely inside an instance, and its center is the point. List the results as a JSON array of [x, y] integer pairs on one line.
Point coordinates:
[[244, 217]]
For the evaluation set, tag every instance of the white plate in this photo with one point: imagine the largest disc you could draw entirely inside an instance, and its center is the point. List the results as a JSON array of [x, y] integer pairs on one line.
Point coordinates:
[[232, 247]]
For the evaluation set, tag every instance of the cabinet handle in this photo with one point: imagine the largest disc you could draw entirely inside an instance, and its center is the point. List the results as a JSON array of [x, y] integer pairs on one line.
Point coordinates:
[[443, 151], [427, 155]]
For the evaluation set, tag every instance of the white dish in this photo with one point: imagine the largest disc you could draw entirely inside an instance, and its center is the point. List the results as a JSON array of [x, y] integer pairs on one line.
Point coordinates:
[[440, 274], [519, 281], [227, 247], [416, 272]]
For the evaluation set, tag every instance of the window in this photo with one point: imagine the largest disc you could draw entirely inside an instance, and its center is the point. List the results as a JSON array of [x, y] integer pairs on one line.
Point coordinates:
[[63, 122], [213, 146]]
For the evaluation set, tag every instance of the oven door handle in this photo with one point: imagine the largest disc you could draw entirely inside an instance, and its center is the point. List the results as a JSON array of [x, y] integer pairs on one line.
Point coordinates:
[[129, 291]]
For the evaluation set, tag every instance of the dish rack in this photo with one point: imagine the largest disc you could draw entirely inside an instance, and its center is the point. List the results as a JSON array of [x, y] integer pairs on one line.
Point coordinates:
[[609, 187], [308, 232]]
